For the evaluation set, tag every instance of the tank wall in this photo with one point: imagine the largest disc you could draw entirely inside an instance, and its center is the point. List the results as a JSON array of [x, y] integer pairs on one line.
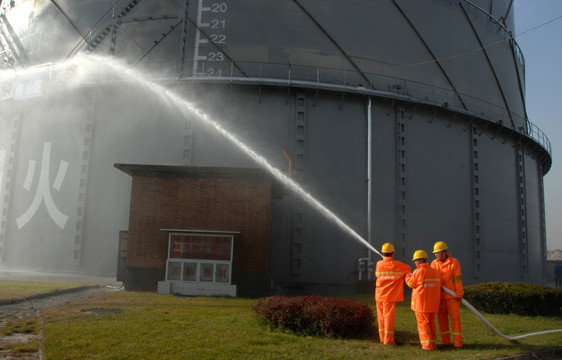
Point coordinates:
[[35, 240], [259, 120], [334, 172], [439, 186], [384, 158], [88, 131], [437, 181], [534, 211], [499, 210]]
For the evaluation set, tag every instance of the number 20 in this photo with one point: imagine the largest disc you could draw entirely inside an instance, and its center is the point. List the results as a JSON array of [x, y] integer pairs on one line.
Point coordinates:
[[219, 7]]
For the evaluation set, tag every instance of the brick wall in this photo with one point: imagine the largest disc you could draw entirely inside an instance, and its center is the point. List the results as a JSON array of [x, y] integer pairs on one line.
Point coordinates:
[[163, 200]]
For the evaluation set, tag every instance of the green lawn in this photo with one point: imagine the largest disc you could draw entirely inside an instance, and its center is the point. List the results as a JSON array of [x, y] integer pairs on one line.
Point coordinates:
[[16, 290], [152, 326]]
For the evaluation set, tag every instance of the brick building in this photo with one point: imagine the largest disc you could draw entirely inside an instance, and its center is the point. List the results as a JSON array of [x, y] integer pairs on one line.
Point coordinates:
[[193, 208]]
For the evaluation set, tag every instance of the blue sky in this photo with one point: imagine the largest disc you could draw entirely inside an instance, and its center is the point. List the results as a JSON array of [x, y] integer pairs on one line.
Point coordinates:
[[542, 49]]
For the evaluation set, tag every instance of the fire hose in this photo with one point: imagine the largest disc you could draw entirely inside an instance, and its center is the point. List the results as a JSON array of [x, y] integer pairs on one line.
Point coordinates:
[[485, 321]]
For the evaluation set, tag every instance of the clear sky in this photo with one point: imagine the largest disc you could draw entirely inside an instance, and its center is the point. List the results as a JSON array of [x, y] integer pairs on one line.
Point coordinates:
[[542, 49]]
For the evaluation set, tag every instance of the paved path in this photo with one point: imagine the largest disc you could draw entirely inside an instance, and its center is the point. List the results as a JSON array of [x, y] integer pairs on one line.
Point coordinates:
[[79, 279], [20, 308]]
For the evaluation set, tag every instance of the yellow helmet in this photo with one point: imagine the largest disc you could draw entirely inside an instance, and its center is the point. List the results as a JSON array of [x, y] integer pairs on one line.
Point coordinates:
[[439, 246], [419, 254], [387, 248]]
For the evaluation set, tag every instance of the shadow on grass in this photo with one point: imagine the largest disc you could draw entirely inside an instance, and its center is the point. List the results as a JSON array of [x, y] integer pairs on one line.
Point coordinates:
[[478, 346], [526, 351], [523, 347], [406, 338], [537, 351]]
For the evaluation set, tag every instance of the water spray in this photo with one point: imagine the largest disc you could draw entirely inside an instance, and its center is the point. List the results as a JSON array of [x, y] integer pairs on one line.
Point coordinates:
[[188, 108]]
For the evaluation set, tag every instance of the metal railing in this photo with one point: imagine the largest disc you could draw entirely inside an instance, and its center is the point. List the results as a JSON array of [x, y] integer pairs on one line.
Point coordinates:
[[349, 80], [539, 137], [497, 25], [500, 27], [341, 80]]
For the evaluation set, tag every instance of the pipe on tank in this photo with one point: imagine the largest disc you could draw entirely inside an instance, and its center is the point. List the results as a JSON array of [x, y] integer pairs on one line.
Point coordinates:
[[290, 159], [369, 173]]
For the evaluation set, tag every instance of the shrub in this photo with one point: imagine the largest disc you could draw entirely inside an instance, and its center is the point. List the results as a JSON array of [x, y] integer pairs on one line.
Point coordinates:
[[516, 298], [316, 315]]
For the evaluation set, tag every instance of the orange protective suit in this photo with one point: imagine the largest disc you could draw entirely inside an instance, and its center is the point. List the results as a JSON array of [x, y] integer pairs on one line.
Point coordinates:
[[389, 290], [451, 276], [426, 295]]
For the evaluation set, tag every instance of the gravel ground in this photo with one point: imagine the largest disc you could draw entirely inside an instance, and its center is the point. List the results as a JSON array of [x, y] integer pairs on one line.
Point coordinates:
[[29, 308], [21, 308]]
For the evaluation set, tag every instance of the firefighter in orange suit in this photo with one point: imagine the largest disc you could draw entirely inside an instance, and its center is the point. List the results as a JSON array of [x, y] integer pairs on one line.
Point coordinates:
[[426, 295], [389, 290], [451, 276]]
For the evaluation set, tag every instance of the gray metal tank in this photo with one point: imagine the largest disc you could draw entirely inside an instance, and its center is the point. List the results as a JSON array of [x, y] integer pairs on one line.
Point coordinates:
[[405, 118]]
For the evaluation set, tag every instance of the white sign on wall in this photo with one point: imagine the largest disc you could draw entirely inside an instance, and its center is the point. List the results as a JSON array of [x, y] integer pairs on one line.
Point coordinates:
[[43, 189]]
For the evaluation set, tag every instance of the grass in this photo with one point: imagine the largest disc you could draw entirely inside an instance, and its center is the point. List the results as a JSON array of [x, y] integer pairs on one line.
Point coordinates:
[[26, 325], [152, 326], [16, 290], [10, 290]]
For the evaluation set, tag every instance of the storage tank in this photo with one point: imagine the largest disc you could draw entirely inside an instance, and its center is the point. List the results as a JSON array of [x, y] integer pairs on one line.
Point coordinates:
[[405, 118]]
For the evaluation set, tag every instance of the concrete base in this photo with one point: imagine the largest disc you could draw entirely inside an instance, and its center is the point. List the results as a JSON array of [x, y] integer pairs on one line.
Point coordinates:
[[196, 288]]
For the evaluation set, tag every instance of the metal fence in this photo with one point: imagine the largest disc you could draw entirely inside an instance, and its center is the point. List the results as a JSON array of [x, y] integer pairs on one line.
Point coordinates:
[[343, 80]]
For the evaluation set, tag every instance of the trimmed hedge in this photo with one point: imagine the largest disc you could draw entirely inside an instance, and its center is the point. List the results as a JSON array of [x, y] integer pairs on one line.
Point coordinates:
[[515, 298], [316, 315]]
